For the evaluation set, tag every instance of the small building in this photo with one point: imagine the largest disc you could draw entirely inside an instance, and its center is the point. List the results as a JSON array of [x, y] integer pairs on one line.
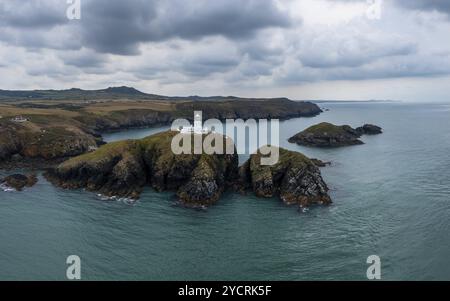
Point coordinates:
[[19, 119]]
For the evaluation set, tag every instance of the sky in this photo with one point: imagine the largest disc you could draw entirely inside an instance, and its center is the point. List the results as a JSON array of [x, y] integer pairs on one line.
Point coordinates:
[[301, 49]]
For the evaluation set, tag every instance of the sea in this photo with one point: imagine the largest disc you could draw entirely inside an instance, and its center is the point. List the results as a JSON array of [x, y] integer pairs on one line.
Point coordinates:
[[391, 199]]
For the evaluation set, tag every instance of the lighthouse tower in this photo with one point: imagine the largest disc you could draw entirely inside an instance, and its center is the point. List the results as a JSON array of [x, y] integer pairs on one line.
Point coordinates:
[[198, 127]]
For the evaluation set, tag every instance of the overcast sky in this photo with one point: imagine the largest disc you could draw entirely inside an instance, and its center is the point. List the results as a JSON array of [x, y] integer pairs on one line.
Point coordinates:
[[302, 49]]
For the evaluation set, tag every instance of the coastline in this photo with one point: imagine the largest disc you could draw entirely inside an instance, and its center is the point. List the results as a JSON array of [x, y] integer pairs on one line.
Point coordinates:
[[35, 150]]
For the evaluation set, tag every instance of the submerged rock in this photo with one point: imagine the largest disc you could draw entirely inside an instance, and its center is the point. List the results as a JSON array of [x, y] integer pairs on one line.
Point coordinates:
[[295, 179], [329, 135], [320, 163], [19, 181]]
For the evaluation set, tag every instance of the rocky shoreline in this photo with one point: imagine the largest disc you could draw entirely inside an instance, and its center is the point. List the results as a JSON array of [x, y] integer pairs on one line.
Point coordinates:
[[124, 168]]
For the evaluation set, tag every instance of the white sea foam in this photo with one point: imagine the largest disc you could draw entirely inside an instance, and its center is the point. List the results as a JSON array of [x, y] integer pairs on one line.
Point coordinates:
[[6, 188], [104, 198]]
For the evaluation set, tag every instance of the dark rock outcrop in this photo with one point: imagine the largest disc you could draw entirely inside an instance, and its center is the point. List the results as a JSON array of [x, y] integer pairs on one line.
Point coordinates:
[[19, 181], [295, 179], [369, 129], [329, 135]]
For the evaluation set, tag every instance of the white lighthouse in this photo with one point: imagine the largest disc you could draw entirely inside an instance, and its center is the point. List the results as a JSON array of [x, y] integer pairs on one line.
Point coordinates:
[[198, 125]]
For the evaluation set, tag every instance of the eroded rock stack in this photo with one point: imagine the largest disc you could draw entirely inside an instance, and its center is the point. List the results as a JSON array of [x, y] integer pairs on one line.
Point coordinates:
[[295, 179]]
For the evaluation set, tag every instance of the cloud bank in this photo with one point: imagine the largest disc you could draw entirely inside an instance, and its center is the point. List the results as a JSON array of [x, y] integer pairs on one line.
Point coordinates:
[[294, 48]]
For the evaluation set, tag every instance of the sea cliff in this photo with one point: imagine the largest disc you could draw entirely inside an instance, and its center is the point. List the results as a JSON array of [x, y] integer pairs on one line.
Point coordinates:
[[295, 179]]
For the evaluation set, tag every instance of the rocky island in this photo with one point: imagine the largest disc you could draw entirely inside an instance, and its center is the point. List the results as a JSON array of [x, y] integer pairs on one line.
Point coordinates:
[[329, 135], [124, 168]]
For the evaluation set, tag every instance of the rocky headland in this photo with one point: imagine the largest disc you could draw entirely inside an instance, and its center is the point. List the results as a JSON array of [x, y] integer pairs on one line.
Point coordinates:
[[124, 168], [329, 135]]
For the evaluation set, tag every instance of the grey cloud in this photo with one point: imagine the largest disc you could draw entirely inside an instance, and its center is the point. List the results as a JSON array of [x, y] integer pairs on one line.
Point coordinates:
[[118, 27], [204, 67], [351, 52], [438, 5], [32, 14], [83, 59], [222, 41], [259, 49], [393, 67], [426, 5]]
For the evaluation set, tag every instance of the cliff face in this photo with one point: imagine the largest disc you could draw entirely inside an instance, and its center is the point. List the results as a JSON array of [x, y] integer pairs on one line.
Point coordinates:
[[117, 120], [9, 143], [116, 169], [124, 168], [31, 141], [245, 109], [295, 179], [329, 135]]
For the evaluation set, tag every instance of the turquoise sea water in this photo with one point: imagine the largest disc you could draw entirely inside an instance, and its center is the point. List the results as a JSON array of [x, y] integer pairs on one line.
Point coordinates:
[[391, 198]]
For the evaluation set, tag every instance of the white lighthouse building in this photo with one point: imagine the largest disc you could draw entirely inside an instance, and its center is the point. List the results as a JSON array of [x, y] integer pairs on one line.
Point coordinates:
[[198, 125]]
